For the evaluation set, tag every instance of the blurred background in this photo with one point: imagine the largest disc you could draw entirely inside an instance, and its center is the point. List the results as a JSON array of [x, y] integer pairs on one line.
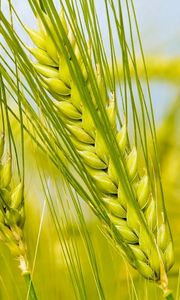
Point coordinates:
[[59, 262]]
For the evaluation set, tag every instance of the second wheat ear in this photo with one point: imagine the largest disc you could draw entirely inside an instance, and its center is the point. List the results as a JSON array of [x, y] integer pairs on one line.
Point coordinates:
[[149, 243], [12, 216], [11, 210]]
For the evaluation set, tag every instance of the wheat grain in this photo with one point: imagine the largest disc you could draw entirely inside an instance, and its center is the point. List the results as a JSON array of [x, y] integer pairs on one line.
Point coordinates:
[[150, 257]]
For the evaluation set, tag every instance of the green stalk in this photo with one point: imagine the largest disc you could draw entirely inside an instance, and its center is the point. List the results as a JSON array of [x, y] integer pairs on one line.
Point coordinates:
[[23, 265], [168, 295], [31, 294], [163, 285]]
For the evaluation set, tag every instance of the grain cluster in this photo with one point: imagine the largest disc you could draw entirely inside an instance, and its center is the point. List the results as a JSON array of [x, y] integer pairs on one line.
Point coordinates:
[[152, 248]]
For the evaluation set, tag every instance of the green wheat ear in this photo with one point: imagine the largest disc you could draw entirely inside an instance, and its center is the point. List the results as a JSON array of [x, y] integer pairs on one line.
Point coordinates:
[[152, 253], [12, 216], [11, 210]]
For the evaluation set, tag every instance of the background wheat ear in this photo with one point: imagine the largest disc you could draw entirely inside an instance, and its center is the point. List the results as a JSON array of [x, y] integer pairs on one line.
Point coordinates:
[[126, 197], [12, 208], [12, 215]]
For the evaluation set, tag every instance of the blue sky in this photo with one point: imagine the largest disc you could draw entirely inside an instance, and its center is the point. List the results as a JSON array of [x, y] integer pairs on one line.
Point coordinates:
[[159, 24]]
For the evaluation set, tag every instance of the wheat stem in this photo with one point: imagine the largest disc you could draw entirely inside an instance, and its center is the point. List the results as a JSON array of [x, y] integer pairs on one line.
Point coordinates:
[[31, 290], [168, 295], [23, 265], [163, 285]]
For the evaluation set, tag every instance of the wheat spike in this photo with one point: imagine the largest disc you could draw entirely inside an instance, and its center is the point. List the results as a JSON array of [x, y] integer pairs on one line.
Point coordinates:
[[11, 209], [94, 153]]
